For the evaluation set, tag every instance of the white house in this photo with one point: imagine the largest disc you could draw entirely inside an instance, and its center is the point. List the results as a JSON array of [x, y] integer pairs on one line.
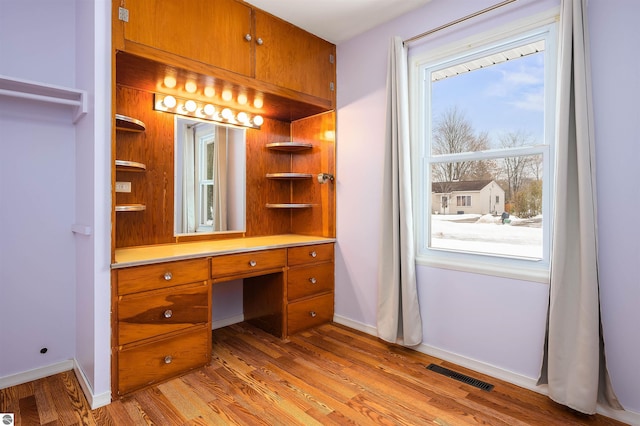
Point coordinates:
[[474, 196]]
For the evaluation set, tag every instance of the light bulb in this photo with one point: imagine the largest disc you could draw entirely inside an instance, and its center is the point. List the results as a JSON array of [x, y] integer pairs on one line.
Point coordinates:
[[227, 95], [258, 120], [227, 114], [169, 101], [242, 117], [170, 81], [190, 106], [190, 86], [257, 102], [242, 99], [209, 91], [208, 109]]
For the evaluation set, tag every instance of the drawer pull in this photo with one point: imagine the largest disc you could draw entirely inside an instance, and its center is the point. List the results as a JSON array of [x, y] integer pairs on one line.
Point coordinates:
[[312, 314], [247, 37], [168, 276], [313, 254], [168, 359], [252, 263], [313, 280], [168, 313]]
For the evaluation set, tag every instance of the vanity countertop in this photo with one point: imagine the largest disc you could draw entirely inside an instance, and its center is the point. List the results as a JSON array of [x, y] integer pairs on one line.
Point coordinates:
[[146, 255]]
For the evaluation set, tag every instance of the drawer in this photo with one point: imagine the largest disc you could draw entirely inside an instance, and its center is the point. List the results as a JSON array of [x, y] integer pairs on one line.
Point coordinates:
[[309, 313], [162, 359], [152, 314], [161, 275], [245, 264], [308, 280], [309, 254]]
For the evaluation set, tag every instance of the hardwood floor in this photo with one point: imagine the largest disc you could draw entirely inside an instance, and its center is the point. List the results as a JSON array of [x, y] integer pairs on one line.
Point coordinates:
[[330, 375]]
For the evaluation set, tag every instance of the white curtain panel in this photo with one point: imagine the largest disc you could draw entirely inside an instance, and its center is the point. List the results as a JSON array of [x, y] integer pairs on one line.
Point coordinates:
[[398, 316], [574, 363]]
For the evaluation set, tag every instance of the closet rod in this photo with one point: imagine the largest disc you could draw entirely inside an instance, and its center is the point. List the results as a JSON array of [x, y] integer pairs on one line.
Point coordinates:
[[457, 21]]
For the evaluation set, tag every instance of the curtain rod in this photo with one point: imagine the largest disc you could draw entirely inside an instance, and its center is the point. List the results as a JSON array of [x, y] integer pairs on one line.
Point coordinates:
[[457, 21]]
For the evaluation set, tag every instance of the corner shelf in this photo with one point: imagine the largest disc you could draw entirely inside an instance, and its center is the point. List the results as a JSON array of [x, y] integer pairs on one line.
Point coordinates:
[[289, 175], [289, 146], [44, 92], [289, 205], [130, 207], [129, 124], [130, 166]]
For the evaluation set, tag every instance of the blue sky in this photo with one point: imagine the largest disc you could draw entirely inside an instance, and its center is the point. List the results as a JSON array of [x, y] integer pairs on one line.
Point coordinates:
[[502, 98]]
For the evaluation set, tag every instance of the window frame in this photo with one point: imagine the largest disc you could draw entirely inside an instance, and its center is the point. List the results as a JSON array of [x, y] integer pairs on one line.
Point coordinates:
[[539, 26], [203, 183]]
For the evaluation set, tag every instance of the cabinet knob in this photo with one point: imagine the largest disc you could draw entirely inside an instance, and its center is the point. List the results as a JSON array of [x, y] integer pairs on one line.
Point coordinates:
[[168, 313], [247, 37], [168, 359], [312, 314], [168, 276], [252, 263], [313, 280], [313, 254], [259, 41]]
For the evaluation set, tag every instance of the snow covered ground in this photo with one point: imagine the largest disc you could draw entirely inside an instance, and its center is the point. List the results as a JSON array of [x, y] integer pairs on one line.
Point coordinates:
[[486, 234]]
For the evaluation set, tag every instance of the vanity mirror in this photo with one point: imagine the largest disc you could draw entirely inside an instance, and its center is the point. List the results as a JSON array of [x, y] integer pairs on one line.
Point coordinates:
[[209, 177]]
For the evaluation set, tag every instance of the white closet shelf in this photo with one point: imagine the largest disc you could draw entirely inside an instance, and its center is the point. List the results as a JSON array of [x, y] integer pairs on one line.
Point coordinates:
[[44, 92]]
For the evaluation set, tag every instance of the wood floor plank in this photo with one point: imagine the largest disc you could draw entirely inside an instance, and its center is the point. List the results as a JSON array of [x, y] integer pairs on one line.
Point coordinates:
[[328, 375], [29, 410]]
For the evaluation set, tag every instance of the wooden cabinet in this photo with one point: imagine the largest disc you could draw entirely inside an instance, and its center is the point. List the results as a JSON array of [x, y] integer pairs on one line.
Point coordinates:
[[290, 57], [310, 285], [232, 36], [161, 322], [208, 31]]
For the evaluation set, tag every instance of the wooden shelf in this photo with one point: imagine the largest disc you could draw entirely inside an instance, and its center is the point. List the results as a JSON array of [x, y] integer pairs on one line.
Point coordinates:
[[289, 146], [130, 207], [129, 124], [130, 166], [289, 176], [289, 206], [43, 92]]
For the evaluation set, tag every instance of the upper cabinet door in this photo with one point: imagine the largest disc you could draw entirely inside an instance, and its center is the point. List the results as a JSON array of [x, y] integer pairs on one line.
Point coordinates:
[[209, 31], [290, 57]]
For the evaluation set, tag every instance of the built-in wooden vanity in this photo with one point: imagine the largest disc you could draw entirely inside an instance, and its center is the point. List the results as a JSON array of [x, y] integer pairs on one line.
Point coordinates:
[[219, 54]]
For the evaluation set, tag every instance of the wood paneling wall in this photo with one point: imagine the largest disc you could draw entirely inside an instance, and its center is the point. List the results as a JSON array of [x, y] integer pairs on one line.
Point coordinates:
[[319, 130], [153, 187]]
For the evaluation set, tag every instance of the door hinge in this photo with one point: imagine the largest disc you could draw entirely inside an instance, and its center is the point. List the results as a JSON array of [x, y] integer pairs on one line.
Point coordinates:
[[331, 58], [123, 14], [332, 86]]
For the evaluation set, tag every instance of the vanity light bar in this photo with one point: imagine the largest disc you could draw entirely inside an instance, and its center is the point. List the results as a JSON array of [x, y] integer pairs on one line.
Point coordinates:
[[205, 111]]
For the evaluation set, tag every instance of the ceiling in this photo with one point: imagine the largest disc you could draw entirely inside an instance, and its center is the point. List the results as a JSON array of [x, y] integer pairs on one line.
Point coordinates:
[[337, 20]]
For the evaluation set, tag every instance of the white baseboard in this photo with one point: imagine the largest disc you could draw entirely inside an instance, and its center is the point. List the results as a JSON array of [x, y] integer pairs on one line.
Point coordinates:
[[227, 321], [95, 401], [629, 417], [35, 374]]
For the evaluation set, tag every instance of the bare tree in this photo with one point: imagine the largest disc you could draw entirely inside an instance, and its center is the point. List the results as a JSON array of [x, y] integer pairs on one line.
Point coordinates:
[[452, 134], [515, 169]]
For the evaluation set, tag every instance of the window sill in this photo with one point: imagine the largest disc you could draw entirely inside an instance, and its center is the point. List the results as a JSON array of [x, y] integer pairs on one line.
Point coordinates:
[[502, 269]]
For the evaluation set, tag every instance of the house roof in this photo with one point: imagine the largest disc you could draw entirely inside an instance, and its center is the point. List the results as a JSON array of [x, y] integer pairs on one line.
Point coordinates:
[[460, 186]]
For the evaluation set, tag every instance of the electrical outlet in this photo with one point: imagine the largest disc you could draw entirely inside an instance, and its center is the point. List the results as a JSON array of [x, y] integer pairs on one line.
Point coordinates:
[[123, 186]]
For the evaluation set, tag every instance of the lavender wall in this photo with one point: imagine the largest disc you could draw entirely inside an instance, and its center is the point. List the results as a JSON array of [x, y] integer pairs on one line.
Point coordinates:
[[54, 284], [495, 321], [37, 181], [616, 90]]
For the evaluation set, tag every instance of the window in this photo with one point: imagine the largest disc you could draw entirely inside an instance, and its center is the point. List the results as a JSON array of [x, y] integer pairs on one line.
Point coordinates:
[[205, 159], [484, 131], [463, 200]]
